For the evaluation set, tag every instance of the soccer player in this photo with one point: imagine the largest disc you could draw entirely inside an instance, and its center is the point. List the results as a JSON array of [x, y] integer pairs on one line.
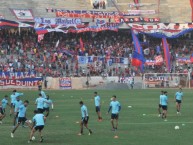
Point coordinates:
[[164, 103], [13, 97], [115, 106], [1, 112], [178, 97], [38, 124], [97, 101], [43, 93], [40, 103], [16, 105], [21, 116], [47, 106], [85, 118], [4, 104], [159, 105]]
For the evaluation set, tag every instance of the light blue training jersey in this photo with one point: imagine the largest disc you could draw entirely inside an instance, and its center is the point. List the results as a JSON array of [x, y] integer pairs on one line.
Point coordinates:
[[22, 110], [84, 111], [179, 95], [39, 119], [164, 100], [4, 103], [40, 102], [97, 100], [48, 104], [17, 103], [115, 106]]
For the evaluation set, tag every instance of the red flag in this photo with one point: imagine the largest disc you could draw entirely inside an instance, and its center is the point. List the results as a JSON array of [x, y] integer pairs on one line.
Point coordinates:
[[81, 45], [40, 37]]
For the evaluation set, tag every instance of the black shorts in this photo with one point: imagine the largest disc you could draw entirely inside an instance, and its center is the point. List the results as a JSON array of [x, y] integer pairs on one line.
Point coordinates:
[[98, 109], [12, 105], [40, 110], [16, 115], [2, 111], [164, 107], [21, 119], [47, 109], [39, 127], [159, 105], [178, 101], [85, 120], [114, 116]]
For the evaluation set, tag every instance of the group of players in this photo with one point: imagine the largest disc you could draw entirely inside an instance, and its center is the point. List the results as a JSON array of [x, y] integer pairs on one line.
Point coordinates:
[[44, 103], [18, 108], [163, 104], [114, 107]]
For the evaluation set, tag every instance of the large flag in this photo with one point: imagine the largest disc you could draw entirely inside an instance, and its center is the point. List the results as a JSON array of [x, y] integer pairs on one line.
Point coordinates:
[[166, 53], [138, 49], [137, 59]]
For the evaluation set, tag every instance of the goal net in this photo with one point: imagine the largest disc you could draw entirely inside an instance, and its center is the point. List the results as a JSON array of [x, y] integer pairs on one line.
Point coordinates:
[[166, 80]]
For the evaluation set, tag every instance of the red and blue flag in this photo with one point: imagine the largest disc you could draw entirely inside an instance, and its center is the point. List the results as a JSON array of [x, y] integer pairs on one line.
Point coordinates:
[[166, 53]]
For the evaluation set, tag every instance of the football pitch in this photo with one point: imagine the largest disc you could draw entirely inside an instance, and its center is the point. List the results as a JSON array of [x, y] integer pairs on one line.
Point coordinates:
[[138, 125]]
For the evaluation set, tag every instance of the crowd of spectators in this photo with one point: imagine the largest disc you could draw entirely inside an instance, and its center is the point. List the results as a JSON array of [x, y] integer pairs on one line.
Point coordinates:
[[99, 4], [56, 55]]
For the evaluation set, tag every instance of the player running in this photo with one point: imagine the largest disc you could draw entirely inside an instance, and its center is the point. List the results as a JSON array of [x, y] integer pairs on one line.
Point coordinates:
[[4, 104], [97, 102], [47, 105], [21, 116], [38, 125], [178, 97], [115, 106], [85, 118], [164, 103], [40, 103], [159, 105], [16, 105], [13, 97]]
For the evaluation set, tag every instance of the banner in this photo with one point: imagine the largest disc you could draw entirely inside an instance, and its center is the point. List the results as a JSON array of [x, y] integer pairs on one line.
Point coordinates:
[[109, 61], [65, 83], [25, 82], [17, 75], [159, 59], [57, 21], [183, 60], [137, 19], [23, 14], [139, 12], [86, 14]]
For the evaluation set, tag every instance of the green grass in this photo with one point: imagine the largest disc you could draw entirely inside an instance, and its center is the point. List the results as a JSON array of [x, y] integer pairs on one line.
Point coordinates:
[[134, 128]]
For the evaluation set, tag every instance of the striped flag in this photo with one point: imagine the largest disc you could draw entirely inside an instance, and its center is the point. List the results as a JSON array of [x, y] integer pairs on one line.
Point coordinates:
[[166, 53], [138, 49]]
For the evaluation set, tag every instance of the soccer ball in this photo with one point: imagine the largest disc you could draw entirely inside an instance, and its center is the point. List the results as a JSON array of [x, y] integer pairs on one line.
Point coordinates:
[[176, 127], [33, 138], [29, 121]]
